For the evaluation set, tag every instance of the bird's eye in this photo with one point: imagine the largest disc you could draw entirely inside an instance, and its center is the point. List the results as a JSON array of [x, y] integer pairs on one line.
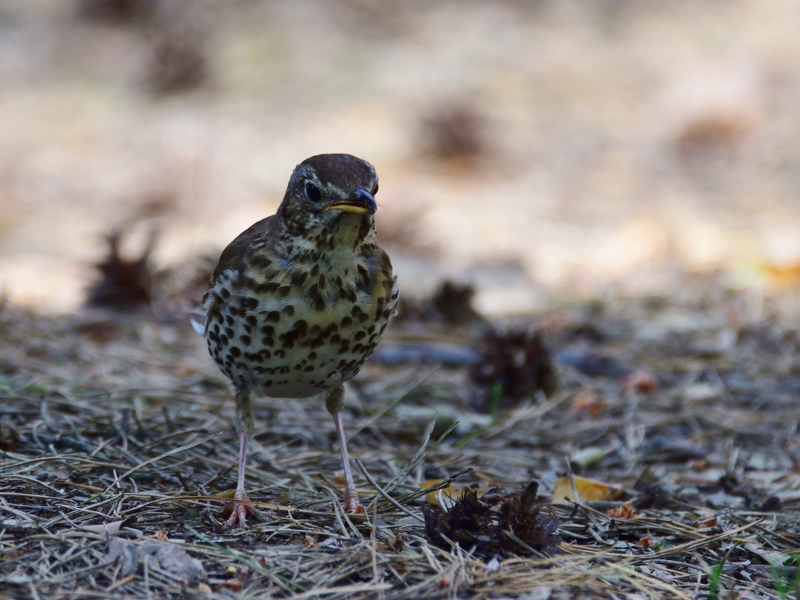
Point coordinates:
[[312, 192], [375, 191]]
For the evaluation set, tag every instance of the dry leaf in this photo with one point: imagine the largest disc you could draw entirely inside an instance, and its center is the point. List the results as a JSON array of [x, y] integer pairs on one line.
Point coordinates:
[[621, 512], [640, 381], [589, 490], [587, 403], [445, 497], [448, 496], [235, 585], [646, 542]]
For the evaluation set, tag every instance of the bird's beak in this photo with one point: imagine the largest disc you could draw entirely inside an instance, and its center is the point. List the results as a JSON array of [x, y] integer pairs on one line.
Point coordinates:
[[360, 202]]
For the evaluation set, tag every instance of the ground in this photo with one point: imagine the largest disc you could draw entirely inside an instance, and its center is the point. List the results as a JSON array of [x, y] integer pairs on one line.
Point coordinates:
[[117, 435]]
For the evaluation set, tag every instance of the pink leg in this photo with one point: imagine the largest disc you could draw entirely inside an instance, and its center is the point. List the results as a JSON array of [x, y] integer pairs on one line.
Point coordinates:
[[244, 425], [240, 511], [335, 404]]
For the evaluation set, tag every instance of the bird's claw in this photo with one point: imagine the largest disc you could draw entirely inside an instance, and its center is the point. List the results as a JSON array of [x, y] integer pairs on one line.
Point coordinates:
[[240, 511], [350, 503]]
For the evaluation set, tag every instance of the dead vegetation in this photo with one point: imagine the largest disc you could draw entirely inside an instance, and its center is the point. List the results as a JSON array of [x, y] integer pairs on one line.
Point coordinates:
[[117, 455], [123, 283]]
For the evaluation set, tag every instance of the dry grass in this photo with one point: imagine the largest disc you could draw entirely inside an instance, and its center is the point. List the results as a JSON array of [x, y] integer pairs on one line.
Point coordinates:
[[125, 422]]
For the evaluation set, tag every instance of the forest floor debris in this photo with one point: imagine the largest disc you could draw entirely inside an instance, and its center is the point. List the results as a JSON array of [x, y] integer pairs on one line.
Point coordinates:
[[121, 445]]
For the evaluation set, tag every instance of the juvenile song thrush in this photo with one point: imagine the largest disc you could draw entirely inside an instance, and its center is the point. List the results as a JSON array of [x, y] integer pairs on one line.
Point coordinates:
[[299, 301]]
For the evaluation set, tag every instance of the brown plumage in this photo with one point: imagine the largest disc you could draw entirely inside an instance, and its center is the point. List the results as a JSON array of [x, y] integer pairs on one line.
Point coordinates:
[[298, 302]]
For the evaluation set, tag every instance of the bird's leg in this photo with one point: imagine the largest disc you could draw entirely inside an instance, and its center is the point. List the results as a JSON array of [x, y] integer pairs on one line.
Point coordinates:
[[334, 402], [244, 427]]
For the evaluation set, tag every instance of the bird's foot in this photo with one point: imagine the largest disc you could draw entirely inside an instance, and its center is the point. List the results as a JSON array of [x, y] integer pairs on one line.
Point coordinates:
[[350, 502], [240, 511]]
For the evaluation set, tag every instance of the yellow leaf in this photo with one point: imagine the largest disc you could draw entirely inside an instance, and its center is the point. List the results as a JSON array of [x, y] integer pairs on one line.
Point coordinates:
[[447, 496], [589, 490]]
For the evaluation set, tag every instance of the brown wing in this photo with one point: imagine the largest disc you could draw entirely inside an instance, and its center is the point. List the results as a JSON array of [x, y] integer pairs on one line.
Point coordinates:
[[236, 254], [385, 282]]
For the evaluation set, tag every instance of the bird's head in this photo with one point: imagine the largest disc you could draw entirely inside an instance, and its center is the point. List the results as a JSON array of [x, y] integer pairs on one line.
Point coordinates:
[[330, 198]]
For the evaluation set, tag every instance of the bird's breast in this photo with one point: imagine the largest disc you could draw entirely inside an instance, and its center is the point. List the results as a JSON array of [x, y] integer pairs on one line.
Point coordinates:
[[297, 328]]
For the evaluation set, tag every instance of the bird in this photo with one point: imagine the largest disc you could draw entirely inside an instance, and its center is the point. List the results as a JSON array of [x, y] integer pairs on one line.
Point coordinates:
[[298, 302]]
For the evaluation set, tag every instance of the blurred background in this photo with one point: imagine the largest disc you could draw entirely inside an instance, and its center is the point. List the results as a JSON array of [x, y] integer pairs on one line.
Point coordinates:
[[539, 149]]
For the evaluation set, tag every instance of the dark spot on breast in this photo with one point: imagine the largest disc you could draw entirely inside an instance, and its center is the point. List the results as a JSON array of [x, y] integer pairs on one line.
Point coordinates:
[[322, 282], [280, 354], [356, 311], [347, 321], [314, 331], [312, 356], [251, 320], [360, 336], [357, 348], [319, 303], [248, 303], [336, 339], [273, 316], [265, 288], [309, 368], [266, 354], [299, 278], [229, 332], [387, 313], [268, 330], [235, 351], [245, 339], [301, 327], [268, 341], [363, 317], [288, 309], [229, 320], [284, 290]]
